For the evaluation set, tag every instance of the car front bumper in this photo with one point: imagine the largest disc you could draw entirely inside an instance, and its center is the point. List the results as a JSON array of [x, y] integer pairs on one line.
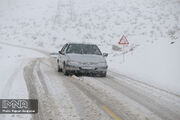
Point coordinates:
[[86, 69]]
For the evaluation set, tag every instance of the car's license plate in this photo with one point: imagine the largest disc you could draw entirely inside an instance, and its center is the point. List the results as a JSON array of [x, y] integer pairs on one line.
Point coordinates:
[[88, 68]]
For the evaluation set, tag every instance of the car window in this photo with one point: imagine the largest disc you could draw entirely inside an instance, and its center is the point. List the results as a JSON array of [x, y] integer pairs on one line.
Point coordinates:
[[74, 49], [91, 49], [83, 49]]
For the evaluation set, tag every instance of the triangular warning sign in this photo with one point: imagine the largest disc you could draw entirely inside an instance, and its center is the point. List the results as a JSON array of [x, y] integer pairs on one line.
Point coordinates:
[[123, 40]]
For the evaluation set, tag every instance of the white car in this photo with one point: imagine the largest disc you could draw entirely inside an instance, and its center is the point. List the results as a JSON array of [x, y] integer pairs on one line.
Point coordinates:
[[82, 58]]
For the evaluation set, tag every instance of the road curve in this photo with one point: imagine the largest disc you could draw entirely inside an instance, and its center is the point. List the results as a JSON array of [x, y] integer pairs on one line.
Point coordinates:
[[91, 98]]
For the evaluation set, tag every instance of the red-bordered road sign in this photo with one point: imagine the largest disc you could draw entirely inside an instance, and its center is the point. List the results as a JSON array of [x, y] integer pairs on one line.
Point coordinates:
[[123, 40]]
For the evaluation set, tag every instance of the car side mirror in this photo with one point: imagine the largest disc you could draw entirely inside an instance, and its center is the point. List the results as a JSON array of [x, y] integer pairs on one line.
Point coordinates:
[[105, 54], [60, 52]]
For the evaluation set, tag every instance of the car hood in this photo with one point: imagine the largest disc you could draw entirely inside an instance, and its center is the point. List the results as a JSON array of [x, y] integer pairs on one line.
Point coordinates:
[[86, 58]]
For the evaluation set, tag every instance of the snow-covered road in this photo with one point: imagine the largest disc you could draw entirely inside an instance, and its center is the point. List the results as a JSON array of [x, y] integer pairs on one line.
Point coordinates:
[[116, 97], [92, 98]]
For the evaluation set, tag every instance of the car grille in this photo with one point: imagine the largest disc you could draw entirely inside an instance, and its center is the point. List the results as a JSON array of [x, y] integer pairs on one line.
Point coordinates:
[[88, 63]]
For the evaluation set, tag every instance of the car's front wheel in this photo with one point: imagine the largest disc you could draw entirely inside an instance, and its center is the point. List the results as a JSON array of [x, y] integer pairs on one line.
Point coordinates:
[[64, 70]]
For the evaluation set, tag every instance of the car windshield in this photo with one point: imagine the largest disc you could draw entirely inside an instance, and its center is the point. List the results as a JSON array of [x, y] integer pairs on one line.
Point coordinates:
[[83, 49]]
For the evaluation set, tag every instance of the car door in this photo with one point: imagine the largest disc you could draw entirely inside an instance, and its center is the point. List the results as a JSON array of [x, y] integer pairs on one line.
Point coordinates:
[[62, 55]]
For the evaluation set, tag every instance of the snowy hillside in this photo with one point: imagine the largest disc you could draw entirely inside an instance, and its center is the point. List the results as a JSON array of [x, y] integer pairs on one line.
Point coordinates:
[[151, 26]]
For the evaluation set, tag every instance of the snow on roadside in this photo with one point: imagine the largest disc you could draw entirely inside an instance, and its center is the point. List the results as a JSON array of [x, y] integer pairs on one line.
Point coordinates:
[[157, 64], [12, 60], [13, 86]]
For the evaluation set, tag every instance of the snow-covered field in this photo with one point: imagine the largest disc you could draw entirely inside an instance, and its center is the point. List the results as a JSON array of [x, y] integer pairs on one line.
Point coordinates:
[[152, 28]]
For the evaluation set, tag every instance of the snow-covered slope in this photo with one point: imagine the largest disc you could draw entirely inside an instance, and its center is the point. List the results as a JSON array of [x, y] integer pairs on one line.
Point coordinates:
[[152, 28], [157, 64]]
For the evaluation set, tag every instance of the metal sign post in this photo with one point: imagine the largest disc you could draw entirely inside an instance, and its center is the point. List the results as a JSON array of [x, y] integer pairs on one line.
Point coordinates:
[[123, 41], [123, 53]]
